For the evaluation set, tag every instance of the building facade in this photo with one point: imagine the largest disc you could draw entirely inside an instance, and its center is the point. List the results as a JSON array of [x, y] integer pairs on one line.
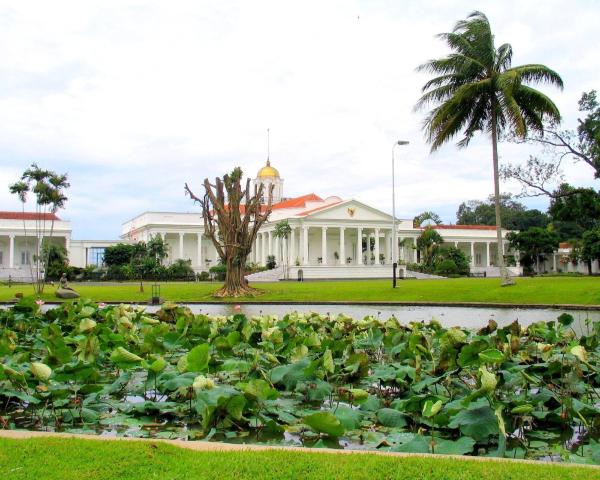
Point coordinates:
[[330, 237]]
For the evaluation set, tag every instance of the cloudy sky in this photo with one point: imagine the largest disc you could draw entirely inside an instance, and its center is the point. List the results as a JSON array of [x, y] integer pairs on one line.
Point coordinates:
[[134, 98]]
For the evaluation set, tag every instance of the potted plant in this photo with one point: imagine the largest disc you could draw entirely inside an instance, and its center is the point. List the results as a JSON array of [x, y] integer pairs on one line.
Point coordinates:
[[336, 255], [319, 259], [349, 260], [381, 258]]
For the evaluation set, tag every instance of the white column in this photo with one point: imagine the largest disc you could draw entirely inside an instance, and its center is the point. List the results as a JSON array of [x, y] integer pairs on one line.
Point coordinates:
[[359, 258], [324, 245], [472, 254], [293, 246], [180, 244], [11, 251], [376, 246], [401, 253], [388, 248], [304, 245], [554, 262], [270, 242], [276, 249], [518, 258], [416, 256], [263, 248], [342, 246], [199, 249], [455, 244], [487, 250]]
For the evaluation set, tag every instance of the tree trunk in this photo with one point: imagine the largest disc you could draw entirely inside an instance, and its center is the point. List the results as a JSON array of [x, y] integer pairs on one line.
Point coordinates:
[[506, 279], [235, 281]]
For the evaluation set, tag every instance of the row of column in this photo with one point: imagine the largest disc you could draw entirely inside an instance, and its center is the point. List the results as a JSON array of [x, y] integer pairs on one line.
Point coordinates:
[[488, 256], [11, 247], [267, 244], [199, 255]]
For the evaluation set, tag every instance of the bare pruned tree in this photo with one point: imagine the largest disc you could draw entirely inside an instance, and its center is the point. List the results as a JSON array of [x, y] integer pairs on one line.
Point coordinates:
[[232, 219]]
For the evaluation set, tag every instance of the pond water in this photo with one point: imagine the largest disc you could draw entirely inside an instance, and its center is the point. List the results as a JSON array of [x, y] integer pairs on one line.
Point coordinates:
[[448, 316]]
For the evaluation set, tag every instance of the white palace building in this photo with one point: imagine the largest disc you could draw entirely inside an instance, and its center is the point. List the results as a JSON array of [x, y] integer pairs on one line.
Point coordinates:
[[330, 238]]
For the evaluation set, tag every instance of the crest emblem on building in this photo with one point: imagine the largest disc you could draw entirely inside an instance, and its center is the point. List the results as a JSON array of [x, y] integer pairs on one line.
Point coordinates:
[[351, 211]]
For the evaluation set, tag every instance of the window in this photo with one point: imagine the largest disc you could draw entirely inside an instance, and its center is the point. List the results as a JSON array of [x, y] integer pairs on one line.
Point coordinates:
[[95, 256], [25, 258], [478, 259], [1, 257]]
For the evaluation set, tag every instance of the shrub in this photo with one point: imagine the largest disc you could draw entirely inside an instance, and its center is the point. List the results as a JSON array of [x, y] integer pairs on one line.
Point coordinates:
[[180, 270], [446, 267], [461, 261], [218, 271], [271, 263], [203, 276]]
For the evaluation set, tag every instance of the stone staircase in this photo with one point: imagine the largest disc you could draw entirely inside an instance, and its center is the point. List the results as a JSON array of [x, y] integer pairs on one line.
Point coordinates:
[[422, 276], [267, 276]]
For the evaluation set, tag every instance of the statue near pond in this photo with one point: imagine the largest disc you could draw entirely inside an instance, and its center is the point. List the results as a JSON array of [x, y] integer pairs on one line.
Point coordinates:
[[63, 290]]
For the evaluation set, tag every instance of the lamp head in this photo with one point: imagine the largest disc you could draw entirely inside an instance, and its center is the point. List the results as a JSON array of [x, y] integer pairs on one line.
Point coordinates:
[[403, 142]]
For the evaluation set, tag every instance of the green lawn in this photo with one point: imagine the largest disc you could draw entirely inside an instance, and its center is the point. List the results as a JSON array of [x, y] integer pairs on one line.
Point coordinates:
[[545, 290], [54, 458]]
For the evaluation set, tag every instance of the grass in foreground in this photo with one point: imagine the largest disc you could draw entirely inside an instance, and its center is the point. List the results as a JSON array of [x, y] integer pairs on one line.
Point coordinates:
[[54, 458], [545, 290]]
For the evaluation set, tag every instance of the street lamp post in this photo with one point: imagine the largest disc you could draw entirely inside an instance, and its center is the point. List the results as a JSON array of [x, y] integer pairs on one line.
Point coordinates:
[[394, 239]]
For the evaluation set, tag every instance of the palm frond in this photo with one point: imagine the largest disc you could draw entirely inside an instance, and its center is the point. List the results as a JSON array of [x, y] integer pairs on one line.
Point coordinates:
[[535, 101], [537, 73], [503, 57]]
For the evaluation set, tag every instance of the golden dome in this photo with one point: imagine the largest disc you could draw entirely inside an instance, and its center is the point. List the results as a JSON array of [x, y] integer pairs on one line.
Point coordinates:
[[268, 171]]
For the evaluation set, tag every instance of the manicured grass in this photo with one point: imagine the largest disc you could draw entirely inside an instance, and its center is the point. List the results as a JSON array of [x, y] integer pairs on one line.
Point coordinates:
[[53, 458], [545, 290]]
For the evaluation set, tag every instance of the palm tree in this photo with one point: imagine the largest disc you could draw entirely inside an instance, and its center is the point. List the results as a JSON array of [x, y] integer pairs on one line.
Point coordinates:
[[283, 231], [476, 89]]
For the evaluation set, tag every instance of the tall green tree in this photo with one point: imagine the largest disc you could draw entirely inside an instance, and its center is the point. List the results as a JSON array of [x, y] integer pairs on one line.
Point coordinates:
[[590, 248], [514, 215], [534, 244], [574, 211], [427, 243], [48, 189], [477, 90]]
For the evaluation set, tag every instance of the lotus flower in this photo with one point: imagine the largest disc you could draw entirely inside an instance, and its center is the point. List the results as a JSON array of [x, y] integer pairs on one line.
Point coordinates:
[[41, 371], [203, 383], [488, 379], [580, 352], [86, 325]]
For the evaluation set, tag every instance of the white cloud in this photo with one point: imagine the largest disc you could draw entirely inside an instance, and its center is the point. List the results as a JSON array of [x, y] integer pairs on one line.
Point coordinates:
[[134, 98]]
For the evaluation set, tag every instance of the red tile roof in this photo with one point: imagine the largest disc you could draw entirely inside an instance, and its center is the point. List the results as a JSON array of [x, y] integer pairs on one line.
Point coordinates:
[[464, 227], [297, 202], [321, 207], [27, 216]]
